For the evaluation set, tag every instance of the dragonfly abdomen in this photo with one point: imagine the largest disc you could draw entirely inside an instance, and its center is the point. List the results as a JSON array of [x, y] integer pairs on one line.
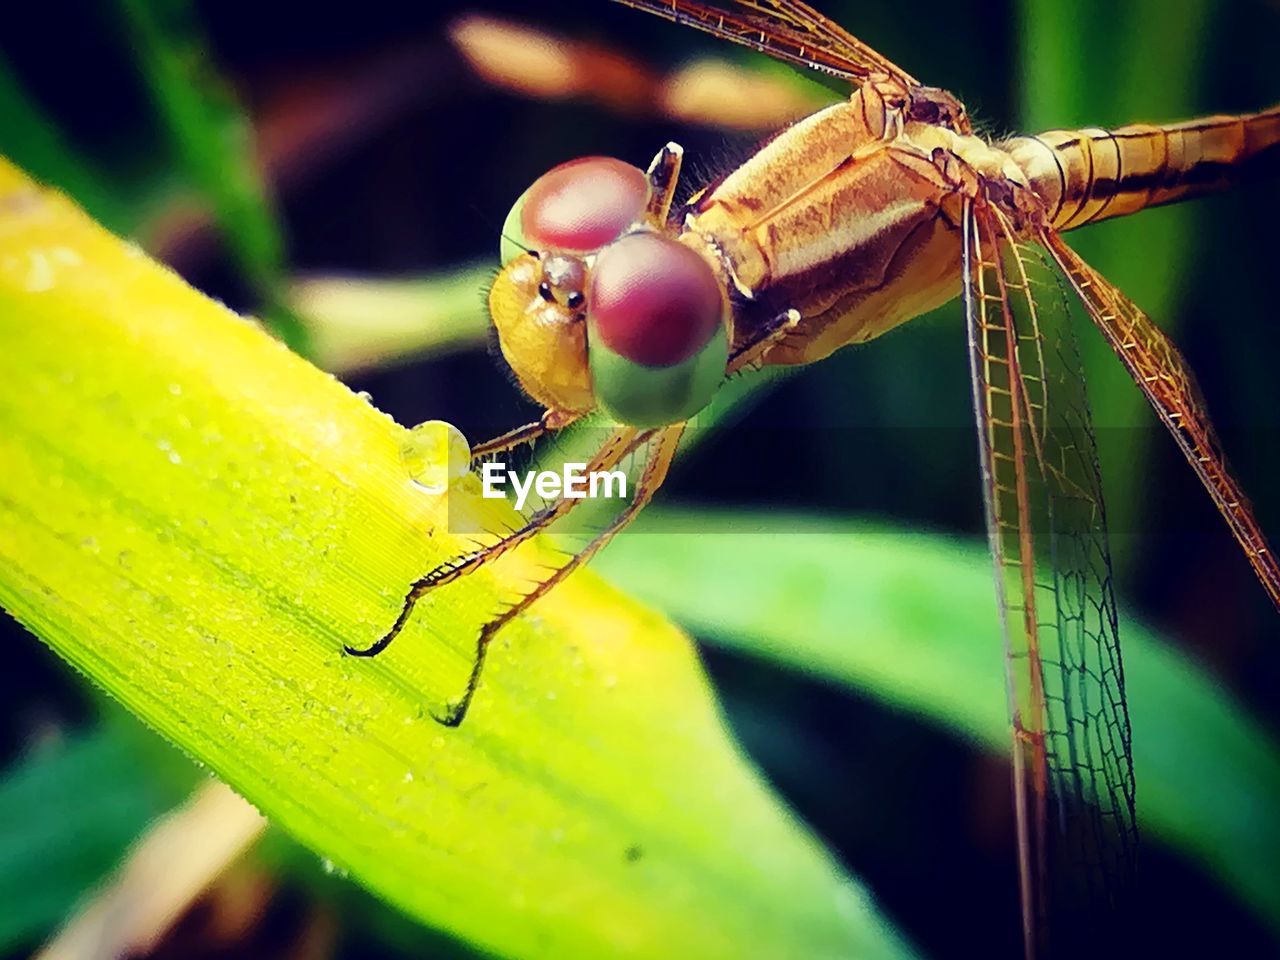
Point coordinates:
[[1093, 174]]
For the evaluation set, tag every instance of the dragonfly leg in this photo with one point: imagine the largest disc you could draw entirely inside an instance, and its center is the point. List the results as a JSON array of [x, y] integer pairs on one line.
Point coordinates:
[[750, 354], [663, 174], [655, 470], [618, 445], [550, 422]]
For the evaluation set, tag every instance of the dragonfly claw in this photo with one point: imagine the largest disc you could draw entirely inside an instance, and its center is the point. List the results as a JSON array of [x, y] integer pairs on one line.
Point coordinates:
[[454, 713]]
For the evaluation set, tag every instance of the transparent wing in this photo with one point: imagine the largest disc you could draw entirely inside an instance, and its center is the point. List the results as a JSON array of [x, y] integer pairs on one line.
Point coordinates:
[[1161, 373], [1073, 771], [785, 29]]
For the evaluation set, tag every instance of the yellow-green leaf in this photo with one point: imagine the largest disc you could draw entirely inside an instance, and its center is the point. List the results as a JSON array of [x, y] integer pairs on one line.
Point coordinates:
[[199, 520]]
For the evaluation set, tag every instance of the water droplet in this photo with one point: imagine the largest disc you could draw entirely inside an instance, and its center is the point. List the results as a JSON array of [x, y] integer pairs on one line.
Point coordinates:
[[66, 255], [408, 776], [331, 868], [436, 454], [40, 275], [167, 448]]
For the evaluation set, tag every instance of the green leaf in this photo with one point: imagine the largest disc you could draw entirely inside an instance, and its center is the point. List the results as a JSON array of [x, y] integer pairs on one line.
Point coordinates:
[[910, 619], [198, 520], [53, 845], [1093, 63], [215, 141], [34, 140], [357, 322]]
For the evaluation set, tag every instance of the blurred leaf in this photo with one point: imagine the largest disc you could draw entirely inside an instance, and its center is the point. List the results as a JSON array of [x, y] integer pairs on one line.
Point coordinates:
[[215, 140], [910, 619], [1093, 63], [199, 520], [54, 846], [356, 322], [34, 140], [178, 861]]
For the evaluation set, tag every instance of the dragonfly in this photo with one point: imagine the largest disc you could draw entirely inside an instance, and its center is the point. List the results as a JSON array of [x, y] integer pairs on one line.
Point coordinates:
[[612, 297]]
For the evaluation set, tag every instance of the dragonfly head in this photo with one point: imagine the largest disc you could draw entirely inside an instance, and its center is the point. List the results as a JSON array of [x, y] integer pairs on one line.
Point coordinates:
[[595, 307]]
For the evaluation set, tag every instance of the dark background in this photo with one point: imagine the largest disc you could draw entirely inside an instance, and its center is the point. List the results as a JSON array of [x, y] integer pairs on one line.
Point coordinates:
[[880, 430]]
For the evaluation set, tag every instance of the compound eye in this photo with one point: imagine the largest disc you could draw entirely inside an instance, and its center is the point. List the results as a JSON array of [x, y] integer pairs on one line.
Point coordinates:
[[577, 207], [656, 330]]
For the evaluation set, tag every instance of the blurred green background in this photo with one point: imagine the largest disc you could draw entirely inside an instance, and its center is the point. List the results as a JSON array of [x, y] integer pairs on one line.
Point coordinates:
[[379, 154]]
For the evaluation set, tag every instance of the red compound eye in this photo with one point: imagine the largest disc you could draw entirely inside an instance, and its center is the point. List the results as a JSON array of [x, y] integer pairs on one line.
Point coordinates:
[[582, 205], [653, 301]]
